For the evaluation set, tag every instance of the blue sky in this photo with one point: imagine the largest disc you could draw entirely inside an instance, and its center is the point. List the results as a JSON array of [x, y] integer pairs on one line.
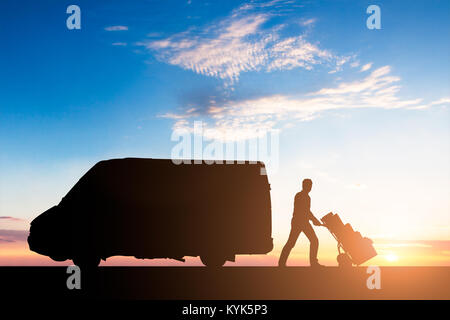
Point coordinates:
[[364, 112]]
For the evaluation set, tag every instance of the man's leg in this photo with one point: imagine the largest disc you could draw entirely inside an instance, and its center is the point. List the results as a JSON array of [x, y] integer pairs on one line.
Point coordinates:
[[313, 243], [293, 235]]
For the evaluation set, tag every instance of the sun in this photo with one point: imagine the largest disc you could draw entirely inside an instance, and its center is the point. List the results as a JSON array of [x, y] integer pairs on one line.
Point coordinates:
[[391, 257]]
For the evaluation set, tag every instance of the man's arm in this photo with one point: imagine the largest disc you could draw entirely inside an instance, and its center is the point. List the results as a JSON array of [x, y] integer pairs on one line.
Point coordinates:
[[314, 220]]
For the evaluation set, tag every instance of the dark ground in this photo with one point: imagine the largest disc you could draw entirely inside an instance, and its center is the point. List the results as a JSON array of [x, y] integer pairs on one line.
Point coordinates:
[[235, 283]]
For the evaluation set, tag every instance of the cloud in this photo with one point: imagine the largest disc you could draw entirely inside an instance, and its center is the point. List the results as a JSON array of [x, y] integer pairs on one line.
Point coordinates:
[[121, 44], [441, 101], [354, 64], [377, 79], [13, 235], [241, 43], [366, 67], [308, 22], [10, 218], [296, 52], [435, 245], [116, 28], [153, 35], [263, 5], [246, 118]]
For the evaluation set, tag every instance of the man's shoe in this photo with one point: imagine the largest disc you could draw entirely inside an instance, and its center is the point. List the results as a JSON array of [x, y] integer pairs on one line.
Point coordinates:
[[317, 265]]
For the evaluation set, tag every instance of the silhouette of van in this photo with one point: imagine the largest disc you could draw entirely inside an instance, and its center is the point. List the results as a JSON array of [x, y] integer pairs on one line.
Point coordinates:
[[153, 208]]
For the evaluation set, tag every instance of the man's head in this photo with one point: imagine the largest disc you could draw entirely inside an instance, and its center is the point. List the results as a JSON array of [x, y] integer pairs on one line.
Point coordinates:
[[307, 185]]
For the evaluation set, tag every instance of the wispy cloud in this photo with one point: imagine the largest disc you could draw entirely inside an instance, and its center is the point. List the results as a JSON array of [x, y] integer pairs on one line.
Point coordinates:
[[378, 79], [153, 34], [120, 44], [354, 64], [244, 118], [13, 235], [116, 28], [436, 245], [366, 67], [308, 22], [441, 101], [10, 218], [241, 43], [258, 4]]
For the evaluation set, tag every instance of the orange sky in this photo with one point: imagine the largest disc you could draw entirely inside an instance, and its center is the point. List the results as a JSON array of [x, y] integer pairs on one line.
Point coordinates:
[[394, 253]]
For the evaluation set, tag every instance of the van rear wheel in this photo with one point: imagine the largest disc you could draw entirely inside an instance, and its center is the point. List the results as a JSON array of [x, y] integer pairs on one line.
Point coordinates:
[[58, 258], [213, 260]]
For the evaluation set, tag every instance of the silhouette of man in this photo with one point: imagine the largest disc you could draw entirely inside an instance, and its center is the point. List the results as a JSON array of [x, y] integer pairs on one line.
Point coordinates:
[[300, 222]]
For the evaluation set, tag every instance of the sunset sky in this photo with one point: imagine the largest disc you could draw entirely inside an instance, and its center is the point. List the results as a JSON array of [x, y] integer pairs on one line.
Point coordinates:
[[363, 113]]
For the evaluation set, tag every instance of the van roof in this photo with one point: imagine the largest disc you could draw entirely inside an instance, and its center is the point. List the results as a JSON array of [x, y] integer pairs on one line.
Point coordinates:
[[179, 161], [105, 170]]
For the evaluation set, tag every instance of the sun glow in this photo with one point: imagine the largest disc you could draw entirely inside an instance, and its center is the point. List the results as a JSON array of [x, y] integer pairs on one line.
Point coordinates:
[[391, 257]]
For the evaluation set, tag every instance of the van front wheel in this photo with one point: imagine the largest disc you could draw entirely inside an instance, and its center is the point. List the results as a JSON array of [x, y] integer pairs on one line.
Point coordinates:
[[213, 260]]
